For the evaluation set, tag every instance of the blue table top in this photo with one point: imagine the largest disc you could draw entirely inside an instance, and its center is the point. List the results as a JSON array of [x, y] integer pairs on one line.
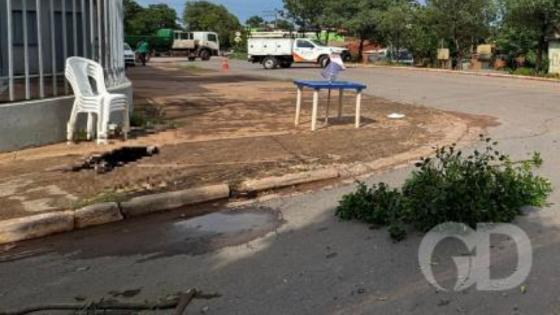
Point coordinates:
[[330, 85]]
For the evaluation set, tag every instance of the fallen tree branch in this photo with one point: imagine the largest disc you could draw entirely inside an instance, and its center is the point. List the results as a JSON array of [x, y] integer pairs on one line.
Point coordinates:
[[102, 306], [178, 303], [184, 301]]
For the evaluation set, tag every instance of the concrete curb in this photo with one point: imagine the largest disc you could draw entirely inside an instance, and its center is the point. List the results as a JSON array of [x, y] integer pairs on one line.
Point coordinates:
[[35, 226], [471, 73], [41, 225], [268, 183], [46, 224], [97, 214], [172, 200]]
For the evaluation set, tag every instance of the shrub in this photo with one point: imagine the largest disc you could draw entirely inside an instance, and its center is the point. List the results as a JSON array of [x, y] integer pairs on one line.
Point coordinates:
[[483, 187], [525, 71], [375, 205], [552, 75], [137, 120]]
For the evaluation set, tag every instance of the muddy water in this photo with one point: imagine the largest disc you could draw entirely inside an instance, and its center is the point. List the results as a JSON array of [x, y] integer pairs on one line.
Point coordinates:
[[157, 236], [226, 222], [217, 230]]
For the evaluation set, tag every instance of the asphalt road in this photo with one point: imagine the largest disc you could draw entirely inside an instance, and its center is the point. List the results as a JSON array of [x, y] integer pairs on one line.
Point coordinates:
[[290, 255]]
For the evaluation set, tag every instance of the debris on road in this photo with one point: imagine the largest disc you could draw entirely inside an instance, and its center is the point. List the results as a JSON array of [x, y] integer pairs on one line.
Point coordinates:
[[178, 302], [125, 294]]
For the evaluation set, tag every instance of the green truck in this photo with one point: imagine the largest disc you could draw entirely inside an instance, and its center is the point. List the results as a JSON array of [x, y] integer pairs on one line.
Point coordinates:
[[172, 42]]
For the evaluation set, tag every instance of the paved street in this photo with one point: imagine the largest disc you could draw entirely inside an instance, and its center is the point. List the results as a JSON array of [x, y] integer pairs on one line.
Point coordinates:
[[298, 259]]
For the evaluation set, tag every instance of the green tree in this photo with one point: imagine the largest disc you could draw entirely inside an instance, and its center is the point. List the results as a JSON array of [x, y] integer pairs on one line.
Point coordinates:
[[160, 16], [531, 19], [206, 16], [313, 15], [255, 21], [309, 15], [143, 21], [513, 41], [284, 25], [360, 18], [423, 39], [131, 11], [395, 23], [463, 23]]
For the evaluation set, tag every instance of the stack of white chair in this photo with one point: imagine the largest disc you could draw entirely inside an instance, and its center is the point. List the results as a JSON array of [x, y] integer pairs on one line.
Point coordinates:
[[80, 72]]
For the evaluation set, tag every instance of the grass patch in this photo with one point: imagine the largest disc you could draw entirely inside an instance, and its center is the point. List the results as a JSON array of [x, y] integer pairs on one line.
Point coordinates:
[[239, 55], [483, 187], [104, 197], [147, 114], [531, 72]]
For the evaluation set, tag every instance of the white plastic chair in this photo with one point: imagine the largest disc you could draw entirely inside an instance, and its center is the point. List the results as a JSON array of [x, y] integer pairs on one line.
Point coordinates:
[[92, 101]]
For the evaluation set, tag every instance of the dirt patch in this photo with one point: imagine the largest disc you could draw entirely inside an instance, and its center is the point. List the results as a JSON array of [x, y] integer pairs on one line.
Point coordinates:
[[213, 128], [477, 121]]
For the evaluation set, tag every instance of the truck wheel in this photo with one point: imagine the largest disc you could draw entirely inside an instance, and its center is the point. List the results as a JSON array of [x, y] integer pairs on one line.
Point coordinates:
[[270, 63], [324, 61], [205, 55], [285, 64]]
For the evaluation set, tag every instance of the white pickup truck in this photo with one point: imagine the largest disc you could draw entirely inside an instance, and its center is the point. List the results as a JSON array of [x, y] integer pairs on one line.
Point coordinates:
[[273, 52]]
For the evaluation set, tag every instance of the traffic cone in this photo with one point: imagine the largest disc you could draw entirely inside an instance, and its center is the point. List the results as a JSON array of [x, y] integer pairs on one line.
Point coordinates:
[[225, 64]]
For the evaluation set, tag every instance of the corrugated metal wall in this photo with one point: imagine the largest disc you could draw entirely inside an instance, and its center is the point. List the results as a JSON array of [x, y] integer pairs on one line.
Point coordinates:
[[36, 37]]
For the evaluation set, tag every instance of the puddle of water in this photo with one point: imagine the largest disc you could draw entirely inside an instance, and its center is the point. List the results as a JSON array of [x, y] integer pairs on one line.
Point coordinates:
[[228, 222], [157, 236], [217, 230]]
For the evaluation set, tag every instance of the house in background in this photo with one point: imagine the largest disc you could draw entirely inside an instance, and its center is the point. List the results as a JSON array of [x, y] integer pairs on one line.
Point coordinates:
[[36, 37]]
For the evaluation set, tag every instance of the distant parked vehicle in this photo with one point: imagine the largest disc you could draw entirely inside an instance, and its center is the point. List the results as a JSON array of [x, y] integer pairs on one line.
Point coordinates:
[[194, 45], [405, 57], [129, 56], [277, 49], [386, 55], [167, 41]]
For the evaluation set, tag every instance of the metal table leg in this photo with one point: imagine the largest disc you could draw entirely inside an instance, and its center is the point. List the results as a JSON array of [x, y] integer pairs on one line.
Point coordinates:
[[328, 107], [340, 100], [315, 107], [358, 108], [298, 104]]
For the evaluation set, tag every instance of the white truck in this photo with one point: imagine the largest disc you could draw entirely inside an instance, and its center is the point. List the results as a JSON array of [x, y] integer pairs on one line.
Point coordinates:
[[196, 44], [277, 49]]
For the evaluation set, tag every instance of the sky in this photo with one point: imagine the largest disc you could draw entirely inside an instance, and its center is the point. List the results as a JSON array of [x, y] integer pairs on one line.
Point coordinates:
[[243, 9]]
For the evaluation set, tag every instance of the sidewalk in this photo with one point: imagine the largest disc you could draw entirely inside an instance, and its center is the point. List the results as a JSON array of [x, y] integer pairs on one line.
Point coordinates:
[[481, 73], [214, 128]]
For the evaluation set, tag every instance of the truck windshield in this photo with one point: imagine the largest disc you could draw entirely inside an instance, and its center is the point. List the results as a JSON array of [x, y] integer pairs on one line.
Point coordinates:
[[212, 38], [317, 42], [304, 44]]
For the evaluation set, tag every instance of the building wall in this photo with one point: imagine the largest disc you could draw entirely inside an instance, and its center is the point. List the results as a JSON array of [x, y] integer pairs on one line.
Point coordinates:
[[3, 43], [60, 29], [46, 40], [34, 108], [41, 122], [554, 56]]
